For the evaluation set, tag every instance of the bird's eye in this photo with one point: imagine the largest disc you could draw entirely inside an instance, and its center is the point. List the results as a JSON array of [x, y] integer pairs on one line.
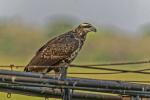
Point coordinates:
[[88, 26]]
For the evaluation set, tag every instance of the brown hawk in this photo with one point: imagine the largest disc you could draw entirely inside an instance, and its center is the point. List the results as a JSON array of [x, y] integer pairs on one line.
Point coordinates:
[[59, 51]]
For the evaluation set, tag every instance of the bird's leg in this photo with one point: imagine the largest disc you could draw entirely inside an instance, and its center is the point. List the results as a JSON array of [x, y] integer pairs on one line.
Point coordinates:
[[57, 75], [63, 72], [60, 74]]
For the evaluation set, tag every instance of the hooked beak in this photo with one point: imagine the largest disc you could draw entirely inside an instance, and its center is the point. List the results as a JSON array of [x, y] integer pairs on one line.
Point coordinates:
[[93, 29]]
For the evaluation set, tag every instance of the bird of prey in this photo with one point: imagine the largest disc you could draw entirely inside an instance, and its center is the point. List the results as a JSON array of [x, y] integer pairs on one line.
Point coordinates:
[[60, 51]]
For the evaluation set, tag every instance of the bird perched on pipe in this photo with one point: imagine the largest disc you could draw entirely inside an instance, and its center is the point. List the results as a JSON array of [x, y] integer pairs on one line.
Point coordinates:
[[60, 51]]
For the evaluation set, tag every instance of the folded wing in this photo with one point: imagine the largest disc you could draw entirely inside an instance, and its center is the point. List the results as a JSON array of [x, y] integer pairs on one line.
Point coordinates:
[[54, 52]]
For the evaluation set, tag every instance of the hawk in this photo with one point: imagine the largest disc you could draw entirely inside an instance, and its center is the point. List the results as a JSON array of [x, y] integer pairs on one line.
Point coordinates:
[[60, 51]]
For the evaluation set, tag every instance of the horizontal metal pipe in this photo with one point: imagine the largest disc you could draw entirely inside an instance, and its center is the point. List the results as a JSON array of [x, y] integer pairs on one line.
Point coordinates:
[[55, 93], [114, 91], [80, 82]]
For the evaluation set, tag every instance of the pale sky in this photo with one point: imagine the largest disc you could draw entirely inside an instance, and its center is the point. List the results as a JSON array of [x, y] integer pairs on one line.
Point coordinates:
[[128, 15]]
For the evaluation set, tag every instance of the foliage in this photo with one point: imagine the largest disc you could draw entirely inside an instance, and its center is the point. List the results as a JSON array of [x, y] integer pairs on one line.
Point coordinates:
[[19, 41]]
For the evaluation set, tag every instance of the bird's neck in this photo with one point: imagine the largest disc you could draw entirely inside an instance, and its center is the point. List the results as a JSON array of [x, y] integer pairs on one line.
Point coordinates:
[[80, 34]]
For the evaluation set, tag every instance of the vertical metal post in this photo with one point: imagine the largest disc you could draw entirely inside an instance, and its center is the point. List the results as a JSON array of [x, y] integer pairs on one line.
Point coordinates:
[[66, 92], [136, 98]]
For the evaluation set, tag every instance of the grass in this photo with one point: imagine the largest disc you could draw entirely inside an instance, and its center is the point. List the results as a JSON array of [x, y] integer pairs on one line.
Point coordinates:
[[3, 96]]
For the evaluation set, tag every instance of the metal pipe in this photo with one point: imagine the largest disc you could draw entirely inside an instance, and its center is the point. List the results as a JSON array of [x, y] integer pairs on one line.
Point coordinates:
[[114, 91], [81, 83], [49, 92]]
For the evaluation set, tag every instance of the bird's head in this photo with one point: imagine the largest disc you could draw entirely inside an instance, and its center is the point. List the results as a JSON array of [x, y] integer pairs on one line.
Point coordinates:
[[85, 28]]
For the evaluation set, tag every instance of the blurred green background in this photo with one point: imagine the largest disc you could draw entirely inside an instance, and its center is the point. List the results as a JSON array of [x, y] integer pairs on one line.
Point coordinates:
[[123, 33], [19, 41]]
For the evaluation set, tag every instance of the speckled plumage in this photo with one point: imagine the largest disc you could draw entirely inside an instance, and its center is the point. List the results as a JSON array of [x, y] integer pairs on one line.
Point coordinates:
[[59, 51]]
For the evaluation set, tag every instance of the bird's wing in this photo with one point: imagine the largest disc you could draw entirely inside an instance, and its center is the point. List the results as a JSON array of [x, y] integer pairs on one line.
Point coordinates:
[[55, 51]]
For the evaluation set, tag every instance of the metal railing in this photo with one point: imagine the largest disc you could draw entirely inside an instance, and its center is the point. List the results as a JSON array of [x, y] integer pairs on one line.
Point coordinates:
[[35, 84]]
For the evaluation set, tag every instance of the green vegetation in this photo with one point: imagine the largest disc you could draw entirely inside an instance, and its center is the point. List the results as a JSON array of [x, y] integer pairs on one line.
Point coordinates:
[[19, 42]]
